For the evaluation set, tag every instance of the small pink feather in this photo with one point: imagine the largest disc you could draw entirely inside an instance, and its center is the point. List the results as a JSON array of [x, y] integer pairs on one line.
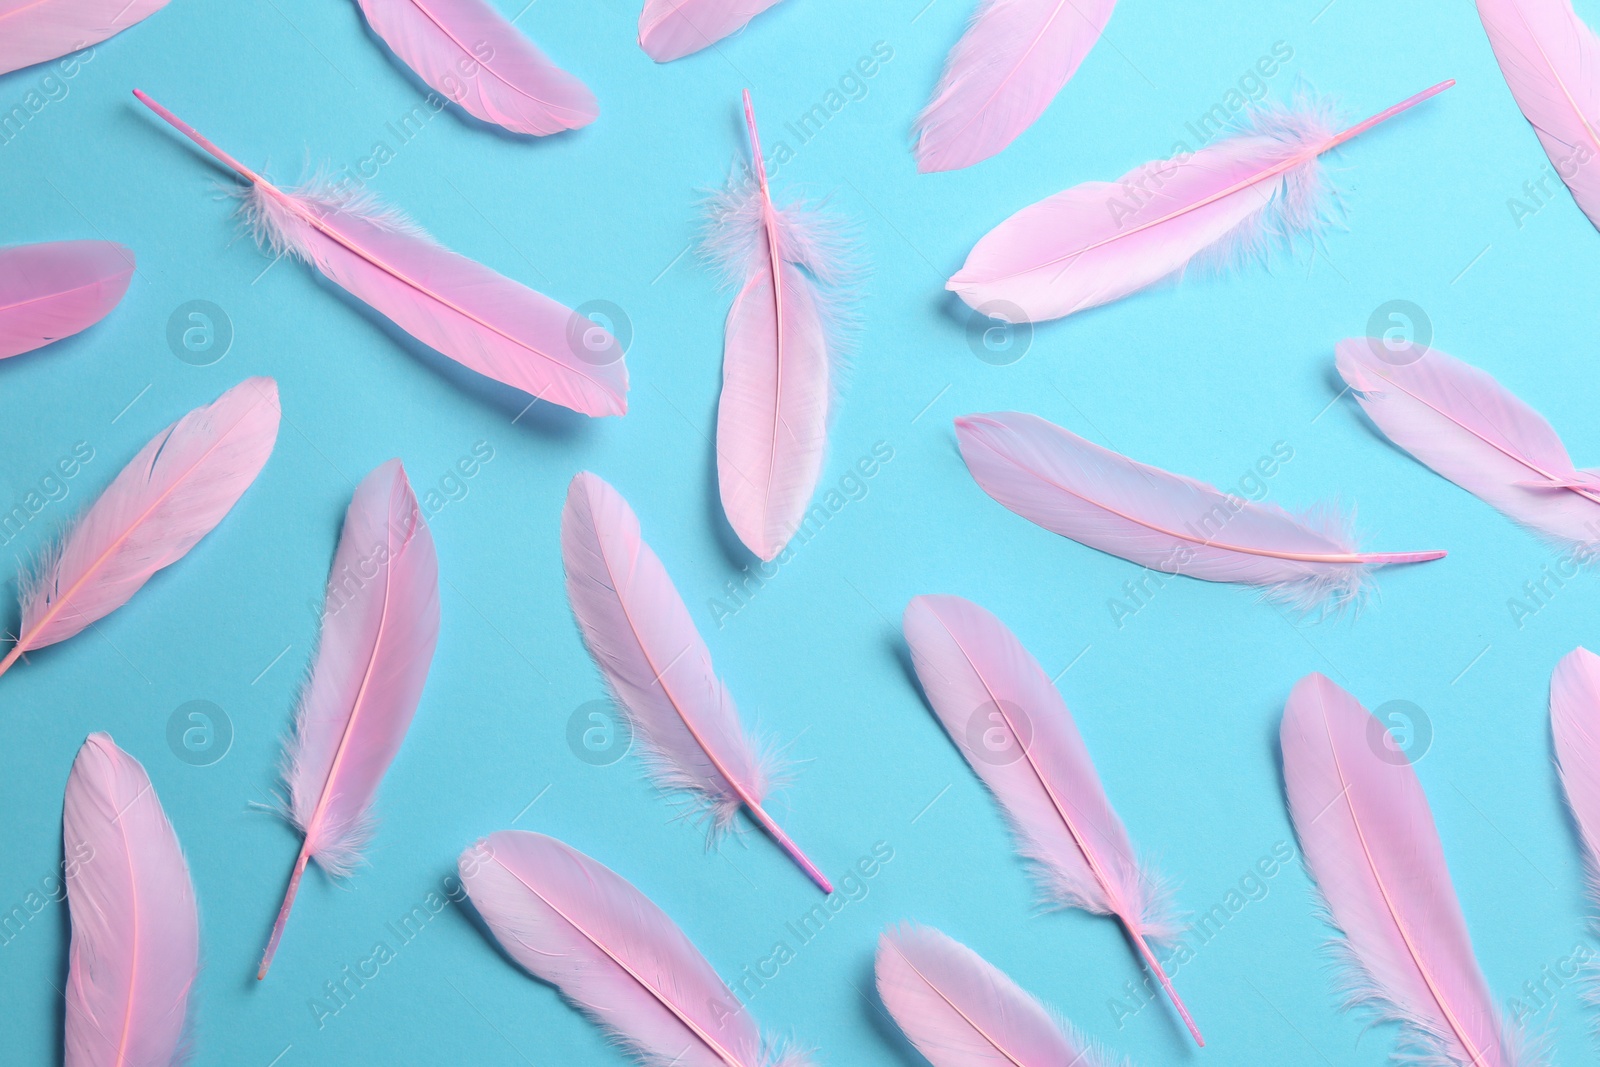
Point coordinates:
[[380, 623], [1470, 429], [1005, 716], [1368, 838], [1161, 520], [1014, 58], [472, 56], [1101, 241], [172, 494], [1575, 724], [1551, 62], [960, 1011], [672, 29], [135, 930], [32, 31], [55, 290], [613, 953], [482, 320]]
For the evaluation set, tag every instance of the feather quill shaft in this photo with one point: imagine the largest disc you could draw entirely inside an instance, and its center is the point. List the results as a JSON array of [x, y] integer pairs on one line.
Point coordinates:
[[672, 29], [33, 31], [1575, 725], [51, 291]]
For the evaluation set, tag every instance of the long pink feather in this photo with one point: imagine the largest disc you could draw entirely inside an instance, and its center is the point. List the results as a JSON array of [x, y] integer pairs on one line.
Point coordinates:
[[172, 494], [1100, 241], [672, 29], [1014, 58], [470, 54], [1010, 723], [51, 291], [486, 322], [772, 418], [1551, 62], [1369, 840], [135, 930], [1469, 428], [959, 1010], [1164, 521], [1575, 724], [613, 953], [32, 31], [380, 623], [657, 665]]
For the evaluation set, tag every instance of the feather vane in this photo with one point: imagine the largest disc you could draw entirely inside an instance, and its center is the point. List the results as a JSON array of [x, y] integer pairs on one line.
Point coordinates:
[[672, 29], [33, 31], [1575, 724], [50, 291]]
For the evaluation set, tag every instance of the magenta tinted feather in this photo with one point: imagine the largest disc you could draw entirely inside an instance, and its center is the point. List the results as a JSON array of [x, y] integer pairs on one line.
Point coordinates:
[[672, 29], [51, 291], [1575, 725], [32, 31]]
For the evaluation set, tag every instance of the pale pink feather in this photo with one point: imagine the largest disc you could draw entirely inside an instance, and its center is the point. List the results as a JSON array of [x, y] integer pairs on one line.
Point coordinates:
[[1575, 725], [467, 52], [380, 624], [1551, 62], [1466, 426], [32, 31], [657, 665], [1010, 723], [1368, 838], [1101, 241], [135, 929], [1012, 61], [1164, 521], [486, 322], [959, 1010], [615, 955], [159, 506], [672, 29], [51, 291]]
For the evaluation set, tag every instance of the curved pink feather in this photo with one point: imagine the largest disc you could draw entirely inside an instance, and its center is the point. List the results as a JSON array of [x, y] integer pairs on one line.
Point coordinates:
[[1012, 61], [1164, 521], [612, 952], [32, 31], [51, 291], [1551, 63], [380, 625], [959, 1010], [472, 56], [1575, 724], [672, 29], [1010, 723], [1463, 424], [644, 642], [135, 930], [1368, 838], [485, 321]]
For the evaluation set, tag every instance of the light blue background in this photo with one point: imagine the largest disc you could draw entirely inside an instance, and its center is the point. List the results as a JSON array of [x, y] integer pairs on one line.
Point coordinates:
[[1180, 706]]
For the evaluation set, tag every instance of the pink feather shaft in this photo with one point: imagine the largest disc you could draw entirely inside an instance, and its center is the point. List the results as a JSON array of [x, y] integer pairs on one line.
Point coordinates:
[[1575, 724], [1010, 723], [51, 291], [32, 31], [380, 627], [672, 29], [135, 929], [1369, 840]]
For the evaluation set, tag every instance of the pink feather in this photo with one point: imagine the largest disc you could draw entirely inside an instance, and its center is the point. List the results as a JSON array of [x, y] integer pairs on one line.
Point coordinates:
[[1551, 62], [135, 931], [1005, 716], [32, 31], [482, 320], [781, 339], [1161, 520], [1469, 428], [1101, 241], [55, 290], [672, 29], [1575, 724], [466, 51], [380, 623], [172, 494], [1014, 58], [613, 953], [657, 665], [1369, 840], [960, 1011]]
